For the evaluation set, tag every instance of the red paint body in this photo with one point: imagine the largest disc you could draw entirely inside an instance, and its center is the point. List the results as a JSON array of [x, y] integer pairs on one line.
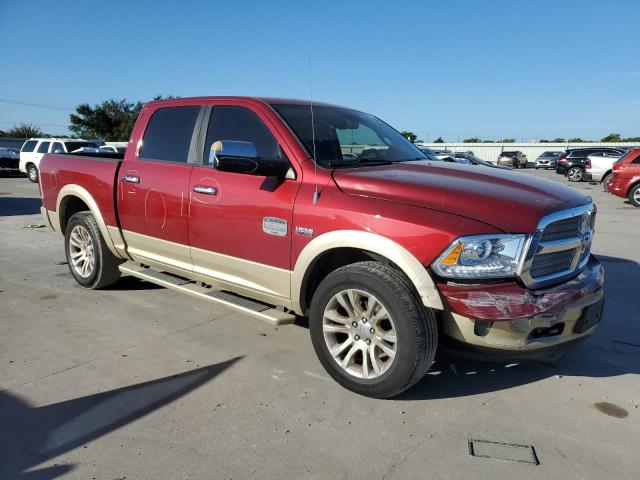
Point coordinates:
[[419, 205], [626, 174]]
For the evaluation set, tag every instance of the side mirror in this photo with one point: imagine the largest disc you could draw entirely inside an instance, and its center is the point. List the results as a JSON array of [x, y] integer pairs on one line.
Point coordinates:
[[242, 157]]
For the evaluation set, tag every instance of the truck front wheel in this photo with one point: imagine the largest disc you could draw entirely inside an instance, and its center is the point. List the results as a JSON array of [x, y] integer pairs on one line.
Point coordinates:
[[91, 262], [371, 331]]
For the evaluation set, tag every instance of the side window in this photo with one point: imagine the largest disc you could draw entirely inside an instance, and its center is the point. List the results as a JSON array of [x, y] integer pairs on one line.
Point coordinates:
[[29, 146], [168, 134], [57, 147], [239, 124], [636, 161], [44, 147]]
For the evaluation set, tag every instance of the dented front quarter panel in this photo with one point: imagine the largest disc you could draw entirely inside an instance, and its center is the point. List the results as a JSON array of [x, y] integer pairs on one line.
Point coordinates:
[[510, 301]]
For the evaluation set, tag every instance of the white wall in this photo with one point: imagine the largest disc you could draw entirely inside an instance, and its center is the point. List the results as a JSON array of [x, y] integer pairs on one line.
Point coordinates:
[[490, 151]]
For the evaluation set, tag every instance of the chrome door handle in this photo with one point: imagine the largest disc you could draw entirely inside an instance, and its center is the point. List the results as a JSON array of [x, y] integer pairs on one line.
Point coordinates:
[[131, 179], [205, 190]]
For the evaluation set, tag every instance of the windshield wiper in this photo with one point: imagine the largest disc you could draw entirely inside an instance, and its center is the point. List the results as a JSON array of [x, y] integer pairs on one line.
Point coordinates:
[[369, 160]]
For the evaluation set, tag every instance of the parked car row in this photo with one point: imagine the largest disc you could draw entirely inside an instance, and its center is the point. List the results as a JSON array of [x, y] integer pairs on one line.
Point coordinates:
[[34, 149]]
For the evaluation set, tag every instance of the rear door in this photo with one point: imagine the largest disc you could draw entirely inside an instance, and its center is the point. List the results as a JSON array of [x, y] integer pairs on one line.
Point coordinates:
[[240, 224], [43, 148], [153, 183]]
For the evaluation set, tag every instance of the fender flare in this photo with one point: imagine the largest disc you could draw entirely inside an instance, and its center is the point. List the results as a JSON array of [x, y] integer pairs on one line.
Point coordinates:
[[72, 190], [371, 242]]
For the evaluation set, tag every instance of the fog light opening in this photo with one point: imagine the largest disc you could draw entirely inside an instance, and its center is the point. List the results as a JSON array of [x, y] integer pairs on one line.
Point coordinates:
[[543, 332]]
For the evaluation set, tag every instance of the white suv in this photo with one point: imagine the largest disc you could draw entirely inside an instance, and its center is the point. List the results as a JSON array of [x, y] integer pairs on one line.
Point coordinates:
[[34, 149]]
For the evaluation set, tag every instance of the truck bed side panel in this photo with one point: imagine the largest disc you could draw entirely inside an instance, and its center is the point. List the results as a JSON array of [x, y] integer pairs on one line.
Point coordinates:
[[94, 174]]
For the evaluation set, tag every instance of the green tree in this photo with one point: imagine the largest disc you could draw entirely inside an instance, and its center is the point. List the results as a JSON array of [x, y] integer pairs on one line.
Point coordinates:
[[438, 140], [575, 140], [612, 137], [471, 140], [544, 140], [631, 139], [508, 140], [24, 130], [558, 140], [409, 136]]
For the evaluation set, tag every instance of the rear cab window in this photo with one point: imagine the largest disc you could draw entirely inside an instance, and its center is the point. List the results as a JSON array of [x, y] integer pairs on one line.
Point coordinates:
[[169, 133], [29, 146]]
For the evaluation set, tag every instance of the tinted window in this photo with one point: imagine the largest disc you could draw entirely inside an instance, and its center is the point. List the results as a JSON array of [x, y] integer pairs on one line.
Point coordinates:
[[168, 134], [57, 146], [43, 147], [29, 146], [240, 124]]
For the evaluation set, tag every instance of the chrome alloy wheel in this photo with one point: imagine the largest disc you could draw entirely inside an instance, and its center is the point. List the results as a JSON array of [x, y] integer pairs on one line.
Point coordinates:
[[359, 333], [636, 196], [575, 174], [81, 251], [33, 173]]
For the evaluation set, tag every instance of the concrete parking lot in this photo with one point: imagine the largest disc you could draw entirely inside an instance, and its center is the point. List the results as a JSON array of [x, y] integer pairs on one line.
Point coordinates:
[[138, 382]]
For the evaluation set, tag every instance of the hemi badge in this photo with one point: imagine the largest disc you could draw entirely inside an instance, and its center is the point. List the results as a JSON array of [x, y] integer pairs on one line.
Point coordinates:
[[274, 226], [304, 231]]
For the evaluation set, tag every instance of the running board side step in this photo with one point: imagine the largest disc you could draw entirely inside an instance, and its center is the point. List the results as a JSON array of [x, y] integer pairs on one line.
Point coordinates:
[[260, 310]]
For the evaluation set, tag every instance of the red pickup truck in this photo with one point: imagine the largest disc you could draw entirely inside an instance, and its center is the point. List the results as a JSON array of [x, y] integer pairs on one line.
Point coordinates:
[[281, 208]]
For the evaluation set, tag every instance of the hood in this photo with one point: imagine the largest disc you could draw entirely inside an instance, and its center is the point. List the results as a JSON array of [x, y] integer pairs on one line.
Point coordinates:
[[511, 201]]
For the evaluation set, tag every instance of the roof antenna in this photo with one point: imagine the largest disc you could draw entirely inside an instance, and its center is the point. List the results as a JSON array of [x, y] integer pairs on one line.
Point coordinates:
[[316, 193]]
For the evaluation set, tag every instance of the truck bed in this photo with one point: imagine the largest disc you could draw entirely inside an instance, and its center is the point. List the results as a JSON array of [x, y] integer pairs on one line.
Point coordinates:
[[94, 172]]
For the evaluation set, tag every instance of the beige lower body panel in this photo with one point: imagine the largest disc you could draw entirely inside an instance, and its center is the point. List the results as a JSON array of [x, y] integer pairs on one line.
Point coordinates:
[[512, 335], [255, 280]]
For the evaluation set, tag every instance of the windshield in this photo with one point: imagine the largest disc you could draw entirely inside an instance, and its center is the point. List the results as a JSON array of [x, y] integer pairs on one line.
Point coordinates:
[[346, 137]]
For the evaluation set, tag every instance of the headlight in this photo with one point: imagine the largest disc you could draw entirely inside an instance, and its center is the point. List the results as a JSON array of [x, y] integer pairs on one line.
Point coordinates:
[[481, 256]]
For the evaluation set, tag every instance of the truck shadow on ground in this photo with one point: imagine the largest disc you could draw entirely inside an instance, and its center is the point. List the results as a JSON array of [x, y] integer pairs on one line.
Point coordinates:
[[613, 350], [12, 206], [30, 435]]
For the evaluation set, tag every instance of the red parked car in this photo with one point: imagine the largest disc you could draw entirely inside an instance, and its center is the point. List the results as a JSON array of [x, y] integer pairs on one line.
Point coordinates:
[[251, 203], [625, 179]]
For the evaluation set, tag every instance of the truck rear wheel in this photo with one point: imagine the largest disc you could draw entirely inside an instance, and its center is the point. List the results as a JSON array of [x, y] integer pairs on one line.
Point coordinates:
[[371, 331], [91, 262]]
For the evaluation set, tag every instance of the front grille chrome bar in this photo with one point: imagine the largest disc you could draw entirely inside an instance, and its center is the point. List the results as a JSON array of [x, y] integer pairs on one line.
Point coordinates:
[[578, 241]]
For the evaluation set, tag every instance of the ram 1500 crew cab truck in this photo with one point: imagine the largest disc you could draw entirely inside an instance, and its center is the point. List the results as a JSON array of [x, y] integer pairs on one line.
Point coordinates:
[[243, 201]]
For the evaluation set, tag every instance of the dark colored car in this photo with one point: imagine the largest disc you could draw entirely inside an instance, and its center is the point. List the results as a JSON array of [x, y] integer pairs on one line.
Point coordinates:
[[471, 159], [9, 159], [572, 163], [625, 180], [515, 159]]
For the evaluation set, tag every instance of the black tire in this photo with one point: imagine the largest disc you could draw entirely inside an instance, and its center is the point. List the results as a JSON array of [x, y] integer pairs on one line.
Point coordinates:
[[32, 173], [416, 328], [575, 174], [634, 196], [605, 182], [105, 272]]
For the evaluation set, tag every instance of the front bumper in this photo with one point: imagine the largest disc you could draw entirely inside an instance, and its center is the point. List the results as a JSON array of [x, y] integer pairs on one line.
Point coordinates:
[[545, 164], [508, 318]]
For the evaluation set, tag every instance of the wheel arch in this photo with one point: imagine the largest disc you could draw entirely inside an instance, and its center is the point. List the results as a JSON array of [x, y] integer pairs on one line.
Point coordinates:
[[73, 199], [339, 248]]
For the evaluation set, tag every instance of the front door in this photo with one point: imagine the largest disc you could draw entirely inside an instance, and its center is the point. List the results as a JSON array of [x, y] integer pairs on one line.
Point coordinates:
[[240, 224], [153, 195]]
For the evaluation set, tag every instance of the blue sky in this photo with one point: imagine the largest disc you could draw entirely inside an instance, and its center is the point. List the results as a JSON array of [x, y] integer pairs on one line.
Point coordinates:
[[456, 69]]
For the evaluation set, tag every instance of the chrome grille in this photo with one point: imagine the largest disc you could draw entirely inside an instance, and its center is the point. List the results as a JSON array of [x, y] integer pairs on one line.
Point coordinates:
[[561, 229], [560, 247], [548, 263]]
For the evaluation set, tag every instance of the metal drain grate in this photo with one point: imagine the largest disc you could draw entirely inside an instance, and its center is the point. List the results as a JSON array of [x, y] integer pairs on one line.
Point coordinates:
[[509, 452], [239, 301], [166, 277]]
